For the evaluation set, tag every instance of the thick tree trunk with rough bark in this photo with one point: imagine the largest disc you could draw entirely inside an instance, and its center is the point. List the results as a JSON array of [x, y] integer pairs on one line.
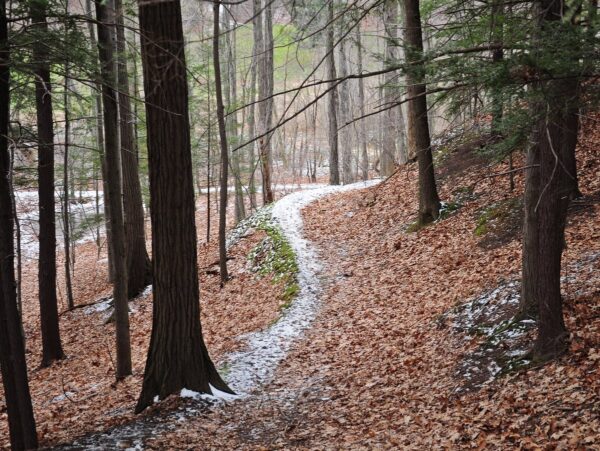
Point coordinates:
[[100, 143], [51, 344], [21, 423], [139, 269], [556, 137], [334, 165], [105, 15], [178, 357], [418, 125]]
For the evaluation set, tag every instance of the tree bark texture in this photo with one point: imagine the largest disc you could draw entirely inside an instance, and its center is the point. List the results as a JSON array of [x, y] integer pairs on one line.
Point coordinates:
[[345, 112], [390, 91], [418, 125], [177, 357], [265, 91], [364, 154]]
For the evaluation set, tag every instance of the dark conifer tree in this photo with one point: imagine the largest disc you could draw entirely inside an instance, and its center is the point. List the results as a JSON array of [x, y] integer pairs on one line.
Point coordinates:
[[12, 348], [52, 347]]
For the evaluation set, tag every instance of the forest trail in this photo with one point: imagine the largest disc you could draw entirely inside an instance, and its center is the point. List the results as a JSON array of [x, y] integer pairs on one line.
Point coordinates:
[[246, 371], [393, 358]]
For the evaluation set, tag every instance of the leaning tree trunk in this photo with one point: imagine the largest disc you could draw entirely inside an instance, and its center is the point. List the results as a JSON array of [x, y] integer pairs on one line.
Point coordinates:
[[21, 423], [418, 125], [105, 15], [139, 270], [224, 149], [177, 357], [334, 167], [51, 344]]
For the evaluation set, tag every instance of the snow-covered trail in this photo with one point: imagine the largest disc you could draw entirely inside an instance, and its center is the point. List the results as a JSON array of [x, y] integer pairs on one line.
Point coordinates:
[[255, 365], [251, 368]]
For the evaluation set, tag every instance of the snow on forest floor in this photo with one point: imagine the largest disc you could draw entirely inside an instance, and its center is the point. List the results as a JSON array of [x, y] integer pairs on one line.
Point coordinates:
[[254, 365], [86, 223], [504, 342]]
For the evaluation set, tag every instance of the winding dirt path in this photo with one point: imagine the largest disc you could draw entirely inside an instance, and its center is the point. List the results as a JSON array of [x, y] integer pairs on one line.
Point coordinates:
[[253, 367]]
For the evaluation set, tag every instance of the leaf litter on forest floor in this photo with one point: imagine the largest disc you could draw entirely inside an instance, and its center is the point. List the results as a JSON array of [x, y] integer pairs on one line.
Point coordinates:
[[375, 372], [254, 364]]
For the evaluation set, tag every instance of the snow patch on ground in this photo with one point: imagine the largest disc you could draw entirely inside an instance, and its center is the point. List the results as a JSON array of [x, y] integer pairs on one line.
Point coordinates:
[[502, 342], [83, 212]]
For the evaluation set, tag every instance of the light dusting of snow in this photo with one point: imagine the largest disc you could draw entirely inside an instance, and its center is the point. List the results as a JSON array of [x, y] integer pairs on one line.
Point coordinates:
[[101, 306], [255, 366]]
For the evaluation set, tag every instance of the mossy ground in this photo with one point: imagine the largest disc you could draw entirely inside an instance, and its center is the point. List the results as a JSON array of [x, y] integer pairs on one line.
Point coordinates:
[[275, 256]]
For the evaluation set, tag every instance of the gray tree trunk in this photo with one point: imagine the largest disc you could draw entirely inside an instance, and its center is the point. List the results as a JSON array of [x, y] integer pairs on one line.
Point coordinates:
[[334, 168], [390, 90], [364, 154]]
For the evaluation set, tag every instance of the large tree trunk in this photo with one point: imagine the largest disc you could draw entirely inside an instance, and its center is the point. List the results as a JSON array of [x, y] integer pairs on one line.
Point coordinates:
[[139, 269], [390, 91], [418, 125], [178, 357], [232, 124], [334, 165], [12, 348], [51, 344], [224, 149], [556, 135], [251, 119], [105, 15]]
